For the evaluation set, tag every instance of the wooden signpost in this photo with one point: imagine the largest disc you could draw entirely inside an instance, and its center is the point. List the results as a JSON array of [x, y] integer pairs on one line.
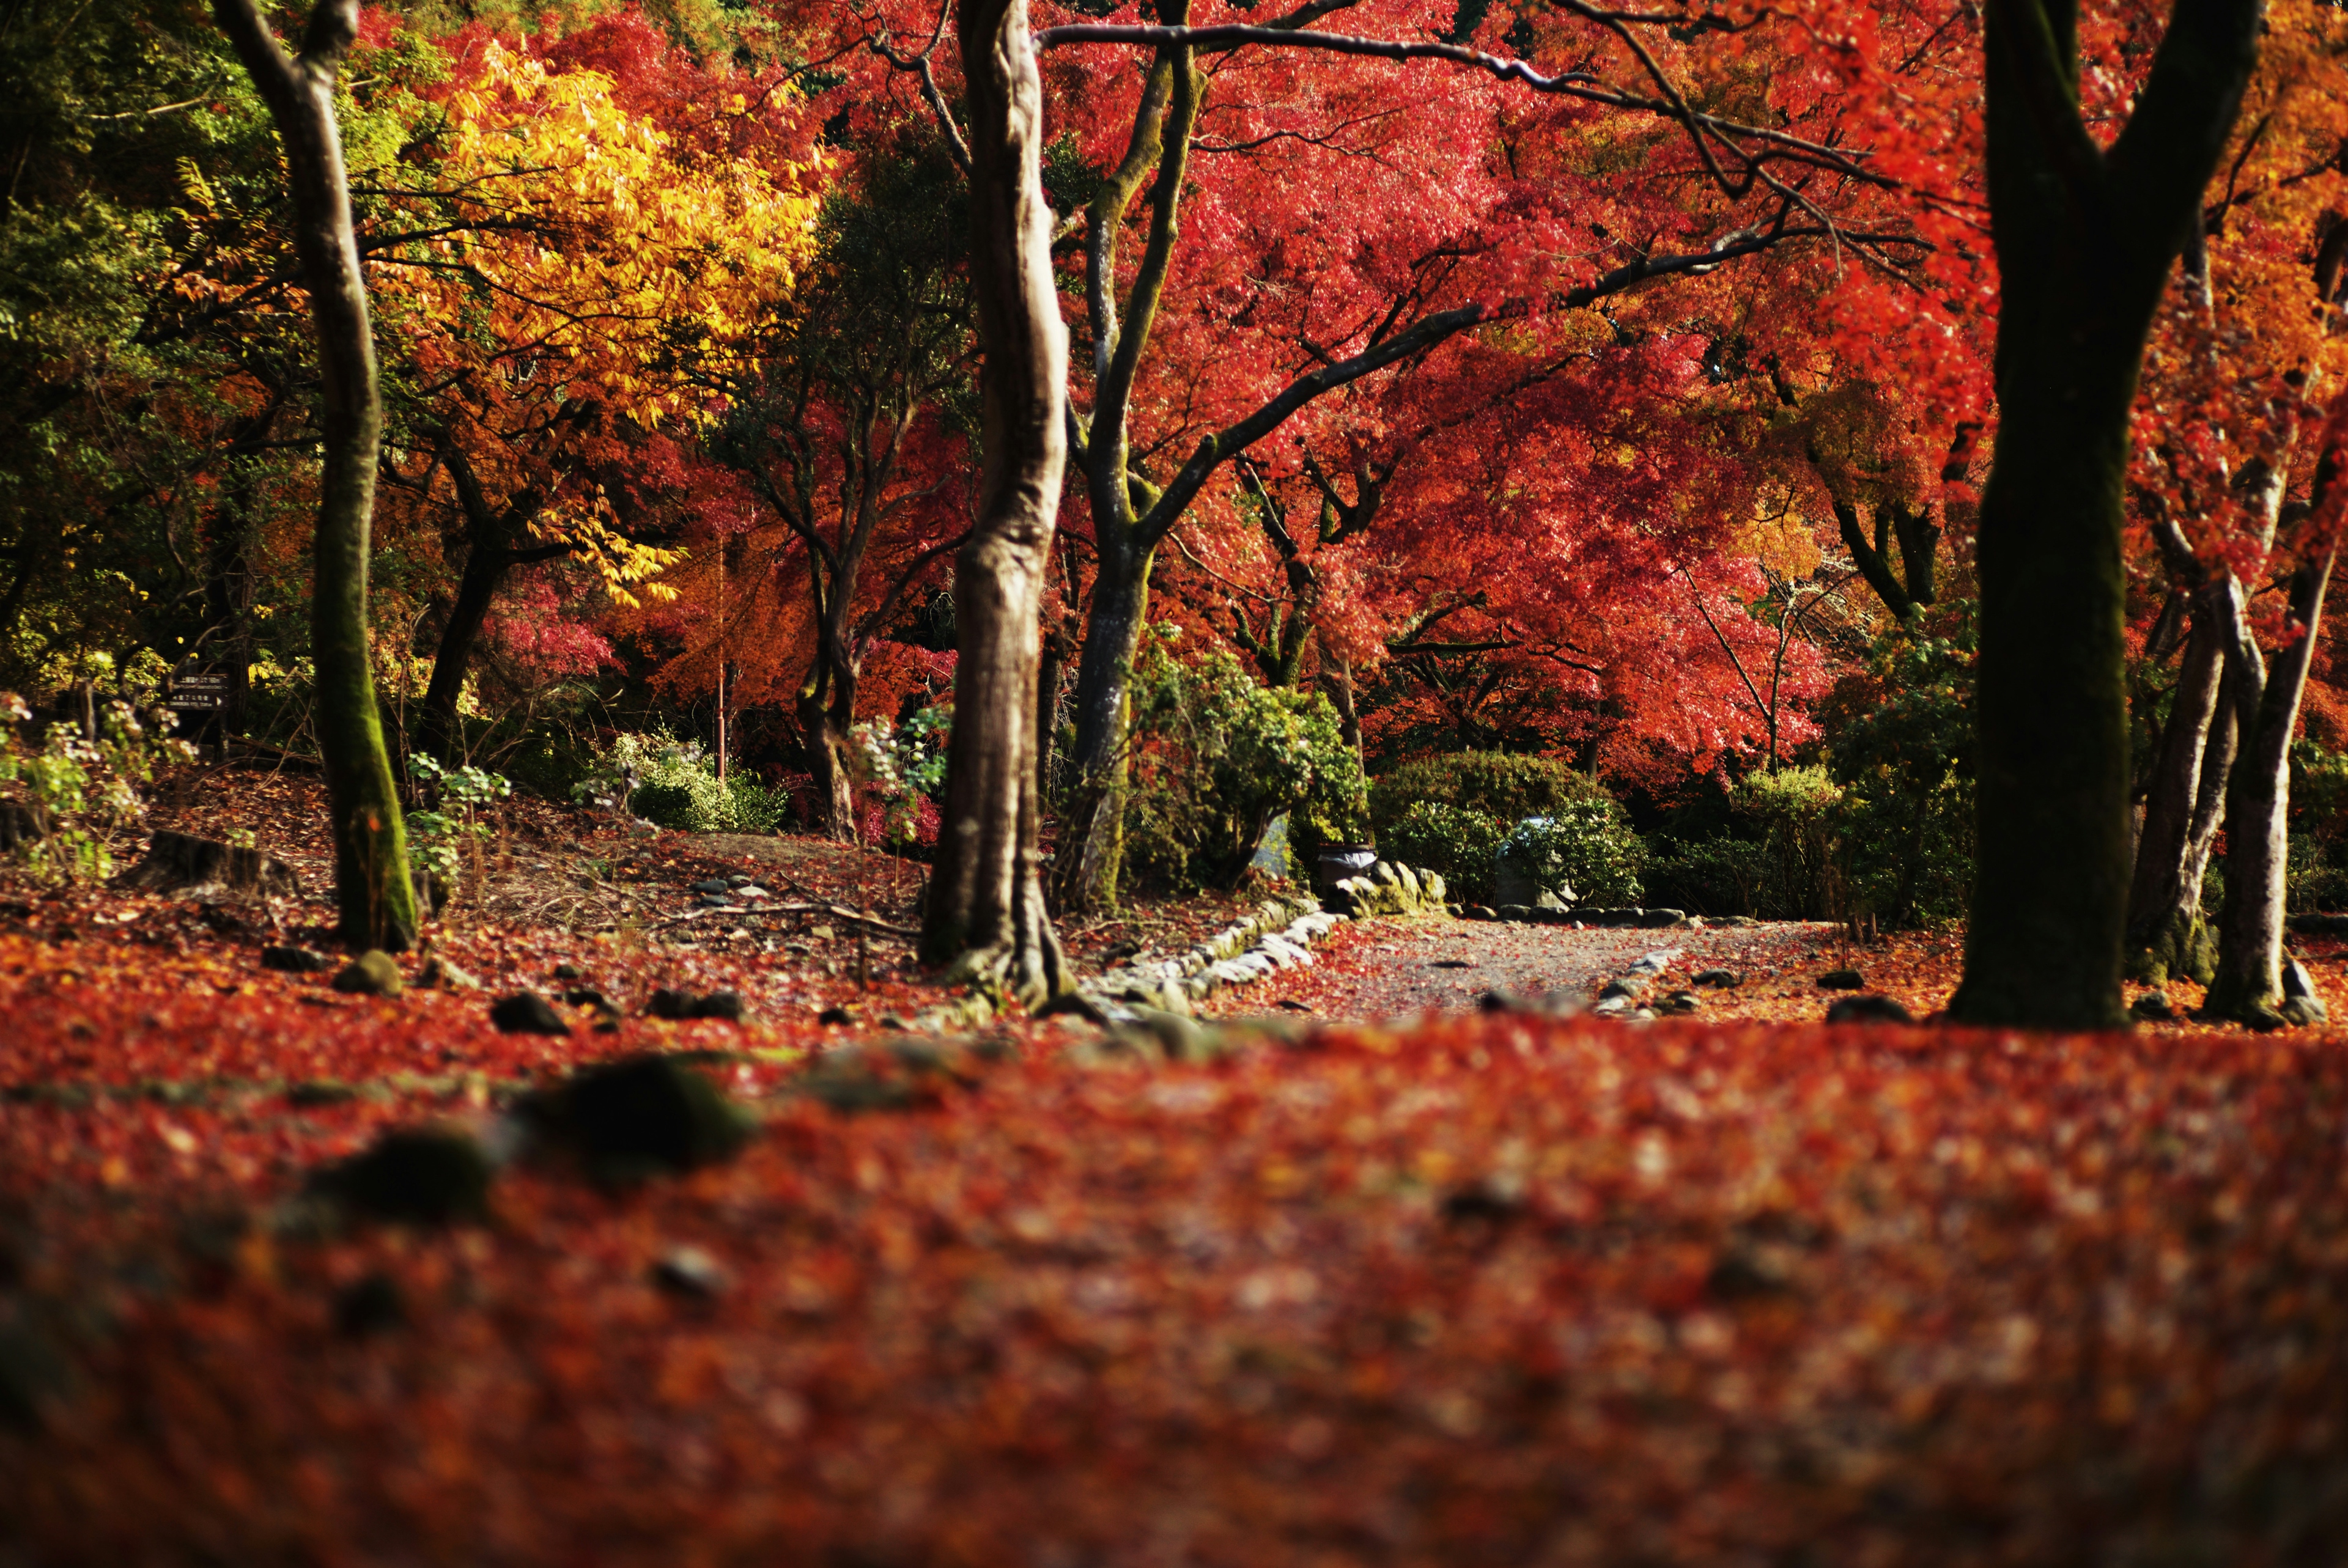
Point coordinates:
[[201, 692]]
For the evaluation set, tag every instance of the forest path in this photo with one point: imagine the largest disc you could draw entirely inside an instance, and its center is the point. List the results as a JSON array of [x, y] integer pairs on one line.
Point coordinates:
[[1398, 968]]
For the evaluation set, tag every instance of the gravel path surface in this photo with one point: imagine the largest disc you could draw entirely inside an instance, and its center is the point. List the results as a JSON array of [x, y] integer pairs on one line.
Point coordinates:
[[1389, 969]]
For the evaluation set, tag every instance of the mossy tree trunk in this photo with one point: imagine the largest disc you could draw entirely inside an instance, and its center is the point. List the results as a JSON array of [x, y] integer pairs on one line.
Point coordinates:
[[984, 912], [376, 899], [2085, 242], [2165, 934]]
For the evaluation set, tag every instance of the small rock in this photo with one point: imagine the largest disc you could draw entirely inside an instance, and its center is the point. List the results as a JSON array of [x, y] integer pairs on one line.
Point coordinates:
[[1841, 980], [585, 997], [738, 881], [294, 961], [643, 1115], [373, 973], [821, 933], [2301, 1005], [1717, 978], [439, 972], [429, 1177], [709, 884], [718, 900], [2153, 1006], [1619, 989], [689, 1271], [751, 890], [1680, 1003], [1867, 1010], [569, 972], [725, 1006], [527, 1012], [835, 1015]]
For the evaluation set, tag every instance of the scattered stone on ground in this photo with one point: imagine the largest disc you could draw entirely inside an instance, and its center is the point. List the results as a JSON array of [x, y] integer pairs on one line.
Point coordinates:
[[427, 1176], [1867, 1010], [373, 973], [726, 1005], [527, 1012], [643, 1115]]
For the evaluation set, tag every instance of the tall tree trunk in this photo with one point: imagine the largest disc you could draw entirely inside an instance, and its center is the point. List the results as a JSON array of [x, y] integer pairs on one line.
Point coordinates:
[[2165, 933], [984, 912], [2084, 240], [376, 900], [2249, 984], [1092, 842]]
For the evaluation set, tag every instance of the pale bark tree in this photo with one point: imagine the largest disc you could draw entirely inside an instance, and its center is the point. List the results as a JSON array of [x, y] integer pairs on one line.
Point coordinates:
[[2249, 982], [376, 900], [984, 911]]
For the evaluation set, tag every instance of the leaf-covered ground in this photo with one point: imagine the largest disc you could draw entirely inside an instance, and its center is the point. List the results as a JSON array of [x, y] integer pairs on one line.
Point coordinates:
[[1484, 1287], [1397, 969], [1494, 1290]]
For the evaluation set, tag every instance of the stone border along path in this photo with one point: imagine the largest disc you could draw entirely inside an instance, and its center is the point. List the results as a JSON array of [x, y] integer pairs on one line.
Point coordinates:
[[1277, 937]]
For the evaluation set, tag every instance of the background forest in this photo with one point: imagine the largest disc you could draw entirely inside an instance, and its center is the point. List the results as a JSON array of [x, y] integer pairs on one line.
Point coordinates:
[[1443, 454]]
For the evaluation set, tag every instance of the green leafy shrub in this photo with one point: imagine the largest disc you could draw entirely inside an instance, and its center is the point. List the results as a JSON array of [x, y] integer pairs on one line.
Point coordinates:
[[1216, 757], [1792, 815], [901, 772], [84, 790], [1458, 841], [1500, 785], [1585, 845], [1721, 874], [446, 840], [667, 782], [753, 807], [1905, 766], [2316, 874]]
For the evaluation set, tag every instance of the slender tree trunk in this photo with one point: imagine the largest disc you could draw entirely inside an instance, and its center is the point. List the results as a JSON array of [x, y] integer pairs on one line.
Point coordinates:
[[1057, 646], [1349, 717], [2249, 984], [376, 899], [2084, 240], [486, 564], [2165, 934], [984, 912], [1092, 845], [825, 720]]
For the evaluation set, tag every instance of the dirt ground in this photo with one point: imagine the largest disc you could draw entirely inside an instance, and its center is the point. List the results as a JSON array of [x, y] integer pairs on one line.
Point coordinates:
[[1392, 968]]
